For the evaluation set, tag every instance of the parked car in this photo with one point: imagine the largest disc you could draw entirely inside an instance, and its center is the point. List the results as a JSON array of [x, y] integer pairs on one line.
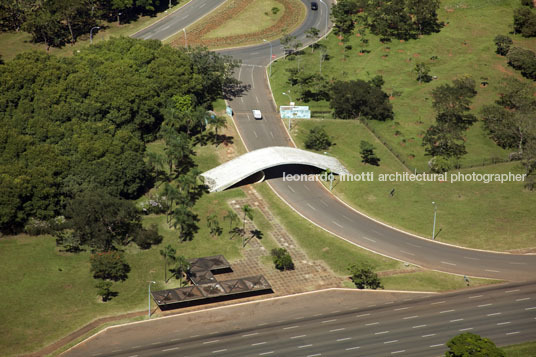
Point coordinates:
[[257, 114], [314, 5]]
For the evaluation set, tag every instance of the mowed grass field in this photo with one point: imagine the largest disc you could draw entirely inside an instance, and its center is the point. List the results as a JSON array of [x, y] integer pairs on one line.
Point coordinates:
[[491, 216], [13, 43], [464, 46]]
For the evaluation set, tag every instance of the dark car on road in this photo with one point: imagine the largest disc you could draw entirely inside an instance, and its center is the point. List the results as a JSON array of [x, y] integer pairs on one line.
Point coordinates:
[[314, 5]]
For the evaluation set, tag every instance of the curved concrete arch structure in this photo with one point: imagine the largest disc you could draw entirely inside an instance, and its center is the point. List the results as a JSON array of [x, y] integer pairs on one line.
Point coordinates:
[[231, 172]]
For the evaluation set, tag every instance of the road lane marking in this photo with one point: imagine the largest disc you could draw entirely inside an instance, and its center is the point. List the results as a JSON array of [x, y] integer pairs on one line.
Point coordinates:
[[290, 327], [352, 348], [495, 314], [311, 206], [381, 333], [414, 245], [484, 305], [471, 258], [337, 329], [213, 341], [344, 339], [438, 345], [456, 320], [324, 203], [511, 291], [410, 317], [316, 354], [250, 334], [491, 270], [257, 99], [259, 343], [373, 323], [419, 326], [254, 132], [444, 312], [503, 323], [442, 262], [475, 296], [170, 349], [299, 318], [531, 308], [372, 240], [335, 223], [317, 315], [438, 302], [466, 329], [266, 353], [271, 134], [393, 341], [247, 114], [362, 315], [516, 263], [523, 299], [429, 335], [395, 352], [327, 321], [402, 308], [300, 336], [389, 302], [511, 333], [290, 188], [264, 323], [218, 351], [307, 188], [404, 252], [305, 346]]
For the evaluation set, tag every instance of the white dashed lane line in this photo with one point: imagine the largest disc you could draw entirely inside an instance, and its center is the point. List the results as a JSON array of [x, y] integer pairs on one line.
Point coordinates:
[[511, 291], [258, 343], [250, 334], [523, 299], [300, 336], [170, 349]]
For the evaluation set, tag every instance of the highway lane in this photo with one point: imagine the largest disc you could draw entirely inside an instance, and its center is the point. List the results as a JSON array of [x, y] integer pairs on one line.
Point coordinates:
[[178, 20], [418, 327]]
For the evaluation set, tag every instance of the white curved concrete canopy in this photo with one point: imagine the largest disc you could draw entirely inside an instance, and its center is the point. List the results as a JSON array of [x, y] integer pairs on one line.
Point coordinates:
[[231, 172]]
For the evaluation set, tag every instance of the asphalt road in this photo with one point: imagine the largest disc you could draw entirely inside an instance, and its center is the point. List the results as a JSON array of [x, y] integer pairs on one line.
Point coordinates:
[[410, 325], [178, 20]]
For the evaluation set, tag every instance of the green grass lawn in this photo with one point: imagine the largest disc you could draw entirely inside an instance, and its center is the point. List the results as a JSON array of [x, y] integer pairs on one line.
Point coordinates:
[[256, 17], [522, 350], [13, 43], [430, 281], [52, 293], [489, 216], [463, 47]]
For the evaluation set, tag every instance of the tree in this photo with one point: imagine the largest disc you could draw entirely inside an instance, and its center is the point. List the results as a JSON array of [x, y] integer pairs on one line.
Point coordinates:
[[503, 44], [354, 99], [445, 140], [343, 16], [313, 34], [523, 60], [248, 212], [109, 265], [423, 71], [525, 21], [363, 276], [469, 344], [232, 217], [146, 238], [104, 290], [214, 225], [367, 154], [424, 15], [181, 267], [282, 259], [317, 139], [186, 221], [168, 253]]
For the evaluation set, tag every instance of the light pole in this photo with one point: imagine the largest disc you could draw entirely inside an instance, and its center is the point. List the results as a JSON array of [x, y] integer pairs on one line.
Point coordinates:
[[91, 34], [327, 14], [169, 6], [290, 101], [185, 39], [149, 311], [435, 214], [270, 69]]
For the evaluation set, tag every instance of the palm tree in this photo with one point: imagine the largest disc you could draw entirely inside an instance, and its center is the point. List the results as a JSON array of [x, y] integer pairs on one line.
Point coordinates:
[[181, 267], [248, 212], [169, 254]]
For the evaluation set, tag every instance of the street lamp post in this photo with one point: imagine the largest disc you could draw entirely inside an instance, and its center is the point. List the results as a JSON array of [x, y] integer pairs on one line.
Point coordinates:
[[185, 39], [91, 34], [290, 101], [149, 311], [327, 14], [435, 215], [271, 54]]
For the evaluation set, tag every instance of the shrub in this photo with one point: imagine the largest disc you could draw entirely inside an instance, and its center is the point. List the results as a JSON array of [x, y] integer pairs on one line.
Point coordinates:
[[317, 139], [109, 266], [103, 290], [364, 277], [282, 259], [503, 44], [147, 237]]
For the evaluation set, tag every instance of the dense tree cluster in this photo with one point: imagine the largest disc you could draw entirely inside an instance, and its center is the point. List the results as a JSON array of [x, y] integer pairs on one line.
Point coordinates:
[[317, 139], [523, 60], [511, 123], [358, 98], [472, 345], [525, 21], [451, 103], [71, 125], [56, 22], [402, 19]]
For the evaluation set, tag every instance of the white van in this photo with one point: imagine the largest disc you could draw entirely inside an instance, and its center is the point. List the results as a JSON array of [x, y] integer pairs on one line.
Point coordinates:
[[257, 114]]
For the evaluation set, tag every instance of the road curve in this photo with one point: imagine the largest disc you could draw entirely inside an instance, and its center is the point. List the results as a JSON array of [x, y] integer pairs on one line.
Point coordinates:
[[331, 323], [310, 199], [315, 203]]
